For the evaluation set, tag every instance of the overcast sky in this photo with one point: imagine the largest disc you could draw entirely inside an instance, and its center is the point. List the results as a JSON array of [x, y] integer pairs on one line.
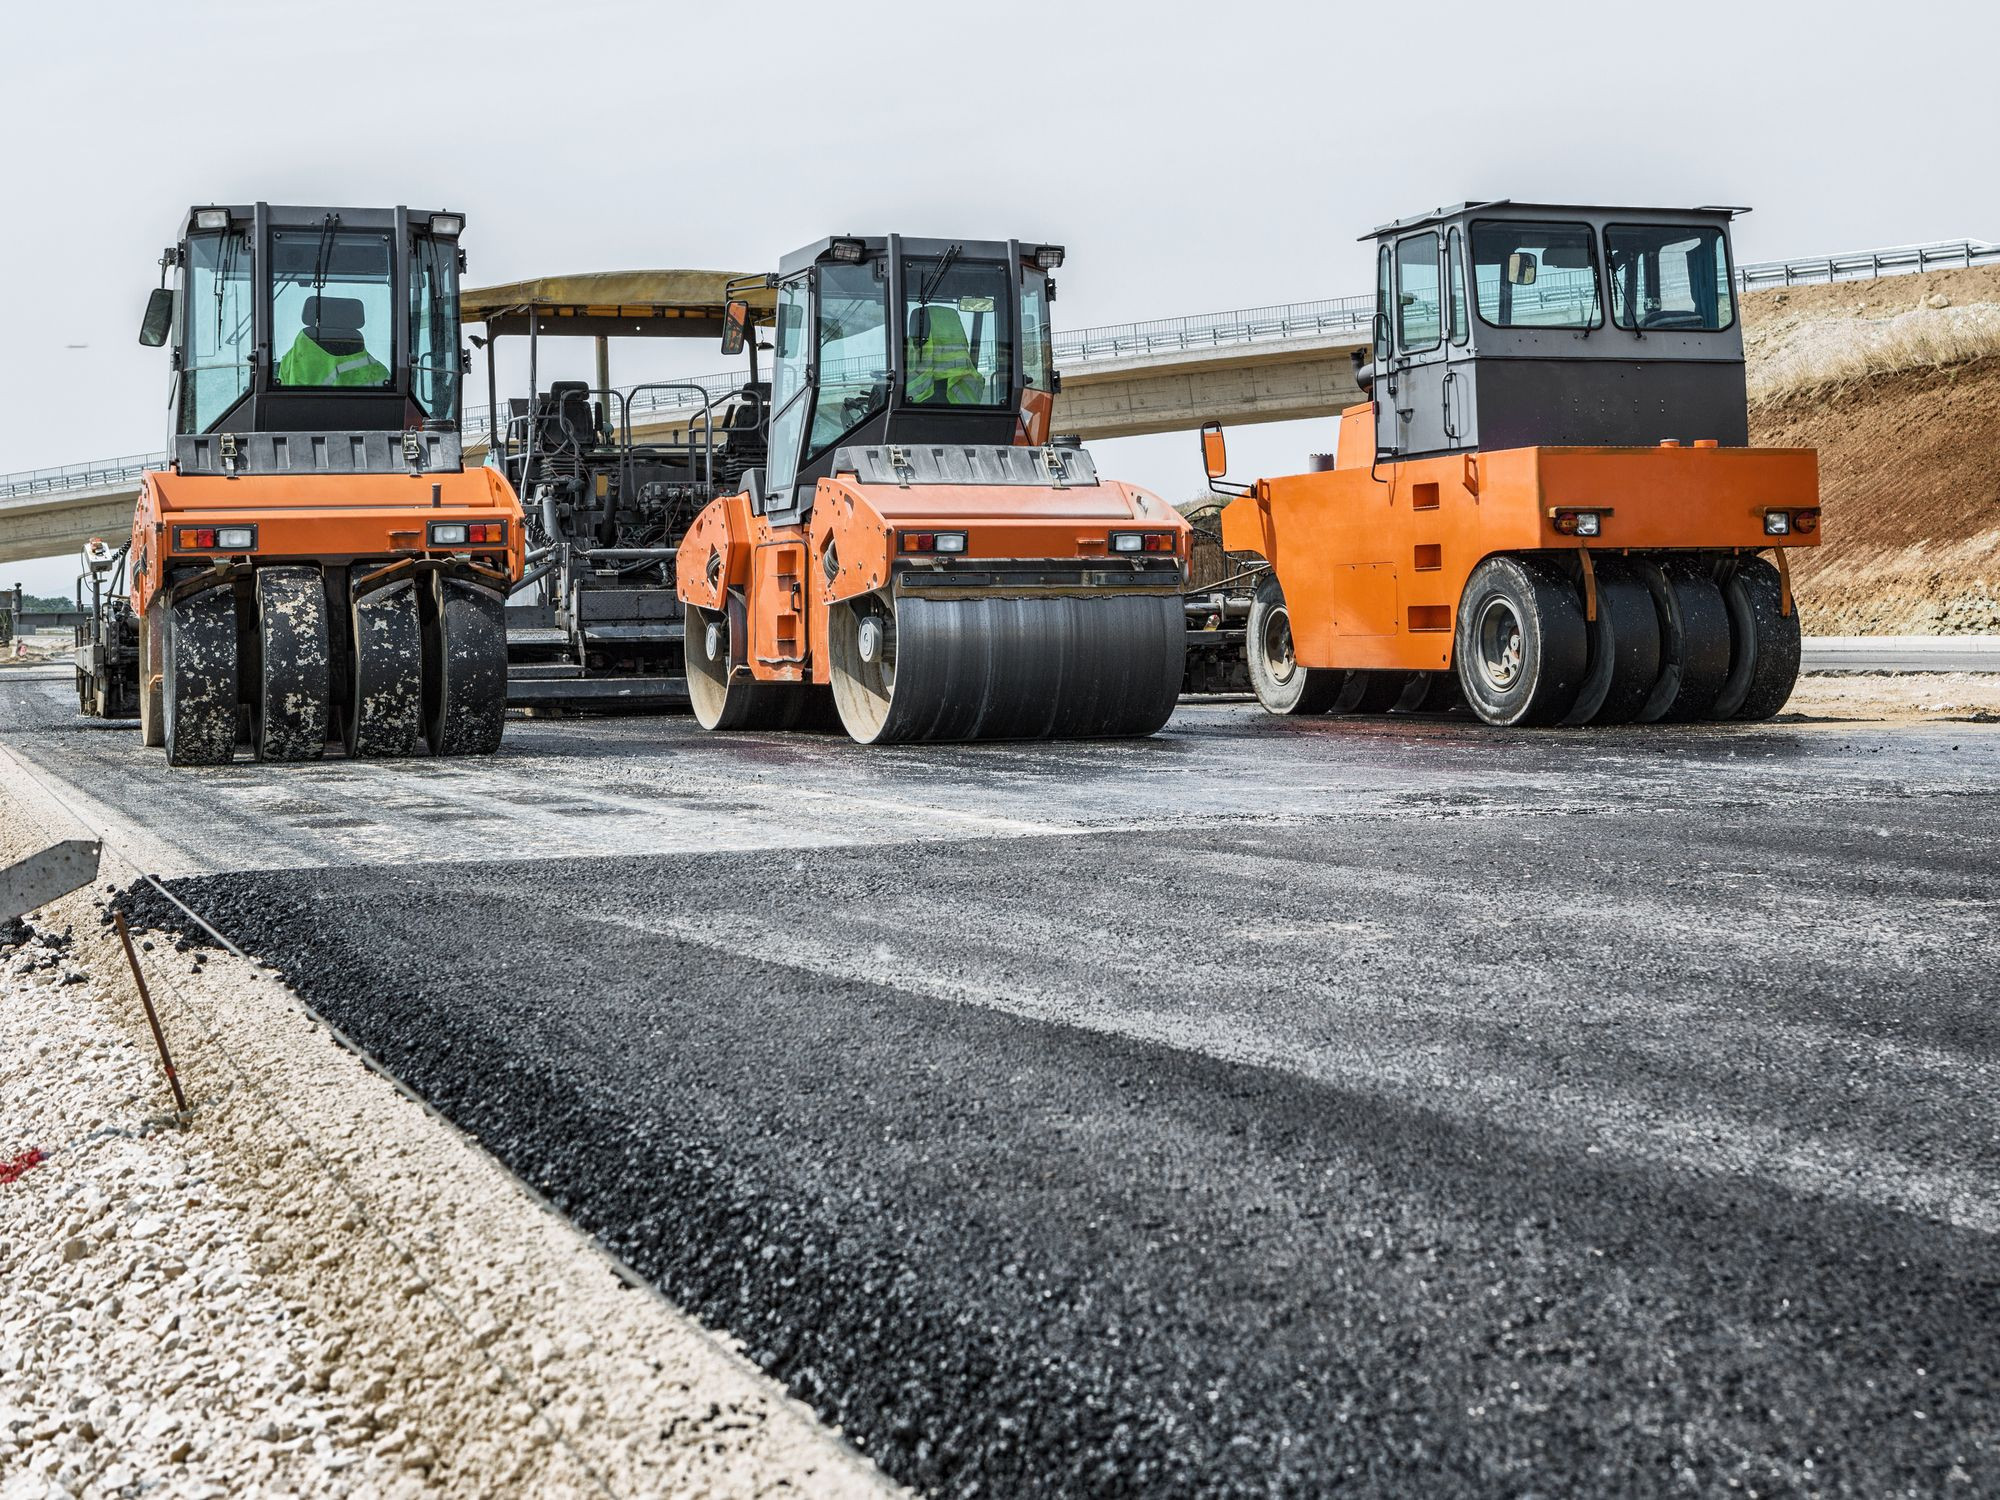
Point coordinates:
[[1193, 157]]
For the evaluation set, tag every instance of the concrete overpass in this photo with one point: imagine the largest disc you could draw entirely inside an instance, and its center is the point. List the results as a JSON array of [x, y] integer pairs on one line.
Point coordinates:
[[1263, 364]]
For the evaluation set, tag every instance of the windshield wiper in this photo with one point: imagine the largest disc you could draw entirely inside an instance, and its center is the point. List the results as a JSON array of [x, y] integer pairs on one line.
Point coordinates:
[[325, 247], [930, 284]]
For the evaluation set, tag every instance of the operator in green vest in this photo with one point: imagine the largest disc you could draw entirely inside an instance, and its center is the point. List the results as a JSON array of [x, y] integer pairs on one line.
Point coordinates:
[[942, 356], [329, 349]]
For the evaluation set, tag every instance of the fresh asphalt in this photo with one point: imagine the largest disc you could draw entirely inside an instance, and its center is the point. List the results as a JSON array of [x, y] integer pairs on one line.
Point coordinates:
[[1272, 1108]]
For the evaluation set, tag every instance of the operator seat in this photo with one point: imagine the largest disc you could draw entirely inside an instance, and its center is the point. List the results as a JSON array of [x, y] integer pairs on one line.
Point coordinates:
[[941, 364], [329, 349]]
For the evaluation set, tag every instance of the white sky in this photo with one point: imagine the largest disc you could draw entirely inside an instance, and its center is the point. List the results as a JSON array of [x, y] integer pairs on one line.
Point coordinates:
[[1193, 157]]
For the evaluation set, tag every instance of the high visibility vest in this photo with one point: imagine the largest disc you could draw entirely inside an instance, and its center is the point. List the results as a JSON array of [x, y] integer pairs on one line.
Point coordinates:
[[305, 363], [944, 356]]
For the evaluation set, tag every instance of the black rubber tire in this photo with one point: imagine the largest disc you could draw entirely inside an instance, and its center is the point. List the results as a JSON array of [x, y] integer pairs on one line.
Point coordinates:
[[1367, 692], [1764, 653], [1281, 684], [1624, 660], [152, 719], [1694, 642], [384, 713], [465, 668], [294, 665], [1536, 680], [726, 700], [1057, 667], [198, 688]]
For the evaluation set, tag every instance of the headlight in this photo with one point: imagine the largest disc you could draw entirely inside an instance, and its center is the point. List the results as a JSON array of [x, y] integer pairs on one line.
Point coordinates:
[[1777, 523], [1126, 541], [211, 218], [235, 538], [447, 533], [447, 224]]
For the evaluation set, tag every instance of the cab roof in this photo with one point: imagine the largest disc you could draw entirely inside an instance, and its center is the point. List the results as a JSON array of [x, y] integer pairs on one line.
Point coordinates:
[[642, 304], [1512, 208]]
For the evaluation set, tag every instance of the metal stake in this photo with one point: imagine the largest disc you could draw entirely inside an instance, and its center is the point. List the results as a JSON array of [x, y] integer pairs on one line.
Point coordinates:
[[152, 1019]]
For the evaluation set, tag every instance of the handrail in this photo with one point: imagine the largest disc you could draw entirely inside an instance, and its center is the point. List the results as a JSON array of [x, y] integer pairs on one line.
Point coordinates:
[[1279, 323]]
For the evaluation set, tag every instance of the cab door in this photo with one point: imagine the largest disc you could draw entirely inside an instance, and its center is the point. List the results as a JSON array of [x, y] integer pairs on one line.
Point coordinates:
[[1459, 410], [1419, 368]]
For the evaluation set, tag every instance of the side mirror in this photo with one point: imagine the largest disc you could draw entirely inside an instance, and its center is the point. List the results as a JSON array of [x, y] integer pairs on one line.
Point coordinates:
[[1214, 451], [1521, 268], [159, 319], [735, 327]]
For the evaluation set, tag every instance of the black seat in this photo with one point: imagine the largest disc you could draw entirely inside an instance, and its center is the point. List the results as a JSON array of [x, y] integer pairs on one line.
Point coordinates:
[[335, 323]]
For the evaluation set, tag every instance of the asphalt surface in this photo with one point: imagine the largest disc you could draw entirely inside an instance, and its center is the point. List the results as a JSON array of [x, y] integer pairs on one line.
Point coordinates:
[[1901, 653], [1271, 1108]]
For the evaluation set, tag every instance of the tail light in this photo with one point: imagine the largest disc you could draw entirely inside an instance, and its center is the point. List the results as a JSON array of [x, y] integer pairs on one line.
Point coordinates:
[[1142, 541], [468, 533], [1805, 522], [215, 538], [930, 541], [1580, 522]]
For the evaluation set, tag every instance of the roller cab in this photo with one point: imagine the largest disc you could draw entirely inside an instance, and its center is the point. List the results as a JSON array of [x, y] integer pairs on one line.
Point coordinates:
[[316, 566], [918, 561], [1548, 509]]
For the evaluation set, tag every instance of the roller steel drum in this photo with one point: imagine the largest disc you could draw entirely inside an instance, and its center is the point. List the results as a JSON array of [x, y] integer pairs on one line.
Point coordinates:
[[1007, 668]]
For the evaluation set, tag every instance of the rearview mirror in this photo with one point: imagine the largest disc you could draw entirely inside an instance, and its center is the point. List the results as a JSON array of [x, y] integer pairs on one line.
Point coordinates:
[[1521, 268], [1214, 451], [159, 319], [735, 327]]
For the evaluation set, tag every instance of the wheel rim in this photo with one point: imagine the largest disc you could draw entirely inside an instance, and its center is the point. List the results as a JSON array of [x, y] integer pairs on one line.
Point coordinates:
[[1275, 641], [1501, 644]]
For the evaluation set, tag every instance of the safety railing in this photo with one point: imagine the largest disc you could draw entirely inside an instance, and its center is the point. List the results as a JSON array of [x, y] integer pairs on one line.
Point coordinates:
[[98, 474], [1866, 265], [1254, 325], [1280, 323], [645, 396]]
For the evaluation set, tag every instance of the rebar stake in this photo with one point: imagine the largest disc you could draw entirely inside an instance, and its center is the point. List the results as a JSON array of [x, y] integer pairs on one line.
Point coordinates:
[[152, 1019]]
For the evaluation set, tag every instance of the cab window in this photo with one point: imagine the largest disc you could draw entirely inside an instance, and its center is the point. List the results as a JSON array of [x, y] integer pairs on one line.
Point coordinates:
[[1454, 262], [1418, 306], [960, 349], [216, 317], [1037, 340], [1530, 275], [434, 374], [1384, 294], [333, 306], [852, 349], [1669, 276], [788, 389]]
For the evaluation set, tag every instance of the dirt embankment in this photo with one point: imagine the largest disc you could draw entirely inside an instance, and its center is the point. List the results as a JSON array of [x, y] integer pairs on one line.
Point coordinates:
[[1897, 383]]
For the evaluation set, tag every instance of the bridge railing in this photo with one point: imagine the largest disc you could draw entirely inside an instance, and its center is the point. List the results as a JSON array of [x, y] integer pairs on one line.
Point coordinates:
[[1331, 317], [1866, 265], [85, 476]]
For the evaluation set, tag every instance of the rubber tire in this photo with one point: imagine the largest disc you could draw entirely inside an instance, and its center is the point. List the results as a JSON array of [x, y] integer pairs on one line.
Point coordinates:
[[152, 718], [1624, 660], [727, 701], [1368, 692], [1555, 647], [988, 668], [198, 689], [465, 668], [1764, 654], [294, 665], [385, 697], [1694, 642], [1299, 690]]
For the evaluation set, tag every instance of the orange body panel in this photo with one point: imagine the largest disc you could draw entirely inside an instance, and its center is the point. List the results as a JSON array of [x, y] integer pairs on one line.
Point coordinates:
[[783, 569], [1373, 563], [332, 518]]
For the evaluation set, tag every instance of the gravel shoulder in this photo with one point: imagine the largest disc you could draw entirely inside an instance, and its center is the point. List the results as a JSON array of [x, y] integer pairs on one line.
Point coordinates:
[[316, 1286]]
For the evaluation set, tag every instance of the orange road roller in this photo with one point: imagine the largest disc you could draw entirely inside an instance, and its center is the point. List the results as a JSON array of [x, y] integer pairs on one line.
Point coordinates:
[[1548, 508], [316, 565], [918, 559]]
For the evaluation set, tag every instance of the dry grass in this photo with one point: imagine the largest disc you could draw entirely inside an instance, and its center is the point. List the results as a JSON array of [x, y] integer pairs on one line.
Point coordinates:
[[1819, 355]]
